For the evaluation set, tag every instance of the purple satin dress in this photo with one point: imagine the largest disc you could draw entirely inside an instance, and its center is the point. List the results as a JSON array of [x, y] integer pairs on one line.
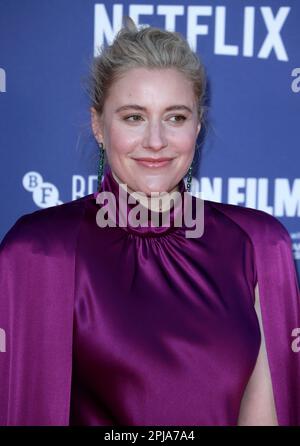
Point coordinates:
[[144, 326], [165, 331]]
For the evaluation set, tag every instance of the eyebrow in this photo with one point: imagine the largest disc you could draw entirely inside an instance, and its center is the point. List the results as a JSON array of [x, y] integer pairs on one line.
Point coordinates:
[[140, 108]]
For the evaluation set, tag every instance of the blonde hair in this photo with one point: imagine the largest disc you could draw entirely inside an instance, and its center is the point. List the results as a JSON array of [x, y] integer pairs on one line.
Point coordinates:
[[147, 47]]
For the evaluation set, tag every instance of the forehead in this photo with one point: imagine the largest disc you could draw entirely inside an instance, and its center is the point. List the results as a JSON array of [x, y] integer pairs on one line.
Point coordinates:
[[151, 86]]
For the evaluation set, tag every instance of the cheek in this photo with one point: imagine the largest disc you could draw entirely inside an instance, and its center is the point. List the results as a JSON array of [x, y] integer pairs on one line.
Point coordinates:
[[185, 144], [184, 137], [121, 140]]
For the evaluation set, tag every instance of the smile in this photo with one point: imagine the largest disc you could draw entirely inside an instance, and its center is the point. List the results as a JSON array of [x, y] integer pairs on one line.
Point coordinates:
[[153, 163]]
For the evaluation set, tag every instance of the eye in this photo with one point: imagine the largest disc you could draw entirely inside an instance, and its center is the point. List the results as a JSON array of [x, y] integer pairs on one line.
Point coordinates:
[[132, 116], [181, 118]]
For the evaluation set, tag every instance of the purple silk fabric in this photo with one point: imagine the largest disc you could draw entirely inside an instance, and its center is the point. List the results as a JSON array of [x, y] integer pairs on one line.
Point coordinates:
[[165, 330], [143, 326]]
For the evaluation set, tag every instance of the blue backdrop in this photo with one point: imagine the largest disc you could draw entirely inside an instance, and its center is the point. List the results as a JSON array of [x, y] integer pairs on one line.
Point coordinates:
[[251, 50]]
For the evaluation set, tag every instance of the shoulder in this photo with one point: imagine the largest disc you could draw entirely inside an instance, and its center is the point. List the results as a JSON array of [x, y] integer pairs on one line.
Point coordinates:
[[259, 225], [49, 225]]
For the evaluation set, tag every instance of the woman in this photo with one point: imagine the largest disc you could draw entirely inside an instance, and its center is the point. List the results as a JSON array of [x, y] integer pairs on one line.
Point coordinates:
[[142, 325]]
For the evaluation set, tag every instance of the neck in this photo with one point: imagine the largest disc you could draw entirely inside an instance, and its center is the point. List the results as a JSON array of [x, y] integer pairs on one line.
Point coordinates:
[[160, 203]]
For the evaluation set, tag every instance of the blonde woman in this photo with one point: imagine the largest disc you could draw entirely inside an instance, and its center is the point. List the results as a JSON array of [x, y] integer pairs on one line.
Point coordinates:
[[142, 325]]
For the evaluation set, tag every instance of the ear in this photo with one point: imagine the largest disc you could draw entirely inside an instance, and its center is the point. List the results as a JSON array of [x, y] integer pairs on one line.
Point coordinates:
[[96, 125]]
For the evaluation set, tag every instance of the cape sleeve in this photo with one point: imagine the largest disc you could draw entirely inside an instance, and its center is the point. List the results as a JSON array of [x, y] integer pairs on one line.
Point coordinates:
[[280, 308], [280, 305], [37, 265]]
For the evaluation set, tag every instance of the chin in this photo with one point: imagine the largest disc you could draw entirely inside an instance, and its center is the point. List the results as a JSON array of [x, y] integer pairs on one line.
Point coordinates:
[[161, 188]]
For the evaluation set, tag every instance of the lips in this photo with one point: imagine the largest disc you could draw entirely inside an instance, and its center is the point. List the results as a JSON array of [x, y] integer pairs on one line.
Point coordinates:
[[154, 162]]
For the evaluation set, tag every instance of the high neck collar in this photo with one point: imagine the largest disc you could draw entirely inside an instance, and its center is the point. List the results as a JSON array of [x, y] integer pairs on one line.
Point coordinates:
[[165, 222]]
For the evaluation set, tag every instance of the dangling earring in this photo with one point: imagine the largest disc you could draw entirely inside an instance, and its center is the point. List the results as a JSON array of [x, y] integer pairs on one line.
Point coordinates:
[[100, 165], [189, 177]]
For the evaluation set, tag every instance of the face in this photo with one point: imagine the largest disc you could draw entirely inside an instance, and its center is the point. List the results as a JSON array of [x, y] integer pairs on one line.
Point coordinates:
[[149, 115]]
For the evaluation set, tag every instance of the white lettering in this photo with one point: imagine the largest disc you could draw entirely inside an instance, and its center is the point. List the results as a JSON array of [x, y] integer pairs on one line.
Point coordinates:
[[251, 188], [91, 183], [262, 201], [296, 82], [170, 12], [287, 201], [193, 29], [136, 10], [220, 46], [103, 27], [273, 39], [138, 215], [296, 342], [248, 46], [78, 187], [106, 27], [211, 189], [2, 81], [234, 194], [2, 341], [250, 192]]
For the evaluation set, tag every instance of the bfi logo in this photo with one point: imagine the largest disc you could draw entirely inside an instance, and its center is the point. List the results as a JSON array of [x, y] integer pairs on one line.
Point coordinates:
[[205, 21], [44, 194]]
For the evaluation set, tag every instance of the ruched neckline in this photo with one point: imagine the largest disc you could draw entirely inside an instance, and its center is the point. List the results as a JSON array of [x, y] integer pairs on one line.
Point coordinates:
[[162, 223]]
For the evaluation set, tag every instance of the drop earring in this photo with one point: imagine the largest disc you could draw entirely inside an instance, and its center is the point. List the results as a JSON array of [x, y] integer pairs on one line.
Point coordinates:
[[100, 165], [189, 177]]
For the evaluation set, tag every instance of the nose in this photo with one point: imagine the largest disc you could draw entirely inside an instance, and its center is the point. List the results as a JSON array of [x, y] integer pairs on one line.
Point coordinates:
[[155, 137]]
